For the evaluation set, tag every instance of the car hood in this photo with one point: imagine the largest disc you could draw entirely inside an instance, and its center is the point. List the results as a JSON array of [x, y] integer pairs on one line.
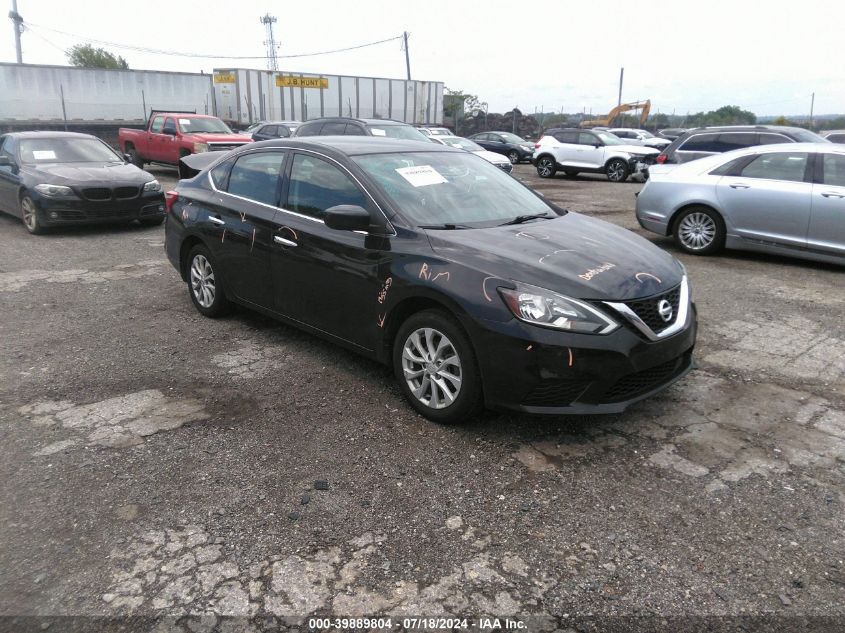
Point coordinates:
[[492, 157], [574, 255], [70, 174], [637, 150], [221, 138]]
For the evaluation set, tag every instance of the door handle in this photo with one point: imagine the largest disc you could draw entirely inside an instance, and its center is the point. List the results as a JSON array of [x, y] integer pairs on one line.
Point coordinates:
[[738, 186], [830, 194], [284, 242], [216, 220]]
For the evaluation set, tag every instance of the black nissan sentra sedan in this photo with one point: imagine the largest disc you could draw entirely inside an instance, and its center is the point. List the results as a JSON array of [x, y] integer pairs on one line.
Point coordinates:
[[61, 178], [474, 288]]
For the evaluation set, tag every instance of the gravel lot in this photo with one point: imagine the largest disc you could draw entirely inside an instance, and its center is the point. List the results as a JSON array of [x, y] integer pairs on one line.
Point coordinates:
[[160, 463]]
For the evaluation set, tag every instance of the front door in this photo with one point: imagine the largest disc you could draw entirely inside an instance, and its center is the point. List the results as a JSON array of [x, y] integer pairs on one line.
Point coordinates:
[[9, 178], [827, 218], [768, 200], [156, 140], [589, 152], [322, 277]]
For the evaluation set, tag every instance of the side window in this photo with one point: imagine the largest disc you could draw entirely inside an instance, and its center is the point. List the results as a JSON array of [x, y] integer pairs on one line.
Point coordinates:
[[316, 185], [735, 140], [309, 129], [256, 176], [169, 126], [731, 168], [585, 138], [699, 143], [777, 166], [282, 131], [771, 139], [6, 147], [834, 170], [269, 130], [333, 129], [220, 175], [836, 138], [354, 130], [158, 123], [570, 138]]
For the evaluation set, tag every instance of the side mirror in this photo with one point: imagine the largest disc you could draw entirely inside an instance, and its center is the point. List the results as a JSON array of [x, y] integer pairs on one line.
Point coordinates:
[[127, 158], [5, 161], [347, 217]]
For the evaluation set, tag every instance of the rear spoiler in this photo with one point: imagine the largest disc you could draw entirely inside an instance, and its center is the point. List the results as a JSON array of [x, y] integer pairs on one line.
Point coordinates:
[[192, 164]]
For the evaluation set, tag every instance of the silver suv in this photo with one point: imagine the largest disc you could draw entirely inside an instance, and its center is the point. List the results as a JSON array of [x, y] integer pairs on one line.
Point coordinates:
[[574, 151]]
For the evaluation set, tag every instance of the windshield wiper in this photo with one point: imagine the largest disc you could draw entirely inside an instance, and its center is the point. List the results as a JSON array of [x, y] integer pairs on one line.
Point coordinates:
[[524, 218], [445, 227]]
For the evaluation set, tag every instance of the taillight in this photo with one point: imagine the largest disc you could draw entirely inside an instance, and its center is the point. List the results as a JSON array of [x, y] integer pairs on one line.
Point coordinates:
[[169, 198], [661, 158]]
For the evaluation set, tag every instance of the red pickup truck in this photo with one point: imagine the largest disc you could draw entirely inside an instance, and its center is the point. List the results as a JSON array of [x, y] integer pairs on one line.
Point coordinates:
[[171, 135]]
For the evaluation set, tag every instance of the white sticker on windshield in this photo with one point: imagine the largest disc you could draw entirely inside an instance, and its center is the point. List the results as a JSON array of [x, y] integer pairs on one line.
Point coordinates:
[[377, 132], [421, 175], [184, 121], [43, 154]]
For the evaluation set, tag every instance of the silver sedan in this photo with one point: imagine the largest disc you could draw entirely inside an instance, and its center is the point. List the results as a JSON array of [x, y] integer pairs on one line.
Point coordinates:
[[787, 199]]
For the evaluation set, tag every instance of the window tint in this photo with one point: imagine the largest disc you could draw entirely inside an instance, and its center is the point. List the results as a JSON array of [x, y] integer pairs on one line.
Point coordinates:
[[6, 147], [768, 138], [220, 174], [158, 123], [354, 130], [269, 130], [316, 185], [567, 137], [282, 131], [585, 138], [735, 140], [836, 138], [333, 128], [731, 168], [256, 176], [777, 166], [699, 143], [309, 129], [834, 170]]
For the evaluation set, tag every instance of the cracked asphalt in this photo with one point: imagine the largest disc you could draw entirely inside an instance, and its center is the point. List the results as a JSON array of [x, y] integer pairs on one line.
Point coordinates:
[[164, 466]]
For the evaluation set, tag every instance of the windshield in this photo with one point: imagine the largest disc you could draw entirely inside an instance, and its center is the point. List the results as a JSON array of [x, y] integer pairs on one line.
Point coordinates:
[[461, 143], [198, 125], [645, 133], [512, 138], [806, 136], [437, 188], [66, 150], [608, 138], [399, 131]]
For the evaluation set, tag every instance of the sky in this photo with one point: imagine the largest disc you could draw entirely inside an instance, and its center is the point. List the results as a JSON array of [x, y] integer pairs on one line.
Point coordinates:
[[562, 55]]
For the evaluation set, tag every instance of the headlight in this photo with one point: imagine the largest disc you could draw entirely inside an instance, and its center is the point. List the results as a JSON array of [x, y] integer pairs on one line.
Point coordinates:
[[153, 185], [55, 191], [199, 148], [549, 309]]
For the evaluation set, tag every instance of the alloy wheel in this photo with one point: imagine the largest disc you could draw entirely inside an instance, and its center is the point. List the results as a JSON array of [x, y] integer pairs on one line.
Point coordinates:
[[544, 167], [616, 171], [697, 231], [513, 157], [432, 367], [202, 281], [30, 217]]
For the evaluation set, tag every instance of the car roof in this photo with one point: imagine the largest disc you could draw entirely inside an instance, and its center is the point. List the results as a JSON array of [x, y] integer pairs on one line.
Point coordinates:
[[48, 134], [355, 145], [357, 120], [280, 123], [747, 128]]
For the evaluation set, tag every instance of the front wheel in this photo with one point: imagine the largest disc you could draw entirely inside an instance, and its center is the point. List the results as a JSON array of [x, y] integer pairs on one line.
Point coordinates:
[[29, 215], [436, 369], [700, 231], [204, 284], [513, 157], [617, 170], [546, 167]]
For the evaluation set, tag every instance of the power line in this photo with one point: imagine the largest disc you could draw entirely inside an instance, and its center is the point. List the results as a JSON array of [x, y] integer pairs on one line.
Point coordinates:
[[159, 51]]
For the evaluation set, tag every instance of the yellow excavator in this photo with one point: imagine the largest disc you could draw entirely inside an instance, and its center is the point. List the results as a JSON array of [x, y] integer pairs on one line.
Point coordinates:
[[643, 106]]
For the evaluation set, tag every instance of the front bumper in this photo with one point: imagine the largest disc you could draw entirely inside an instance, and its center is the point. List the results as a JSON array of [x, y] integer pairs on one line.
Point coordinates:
[[538, 370], [62, 212]]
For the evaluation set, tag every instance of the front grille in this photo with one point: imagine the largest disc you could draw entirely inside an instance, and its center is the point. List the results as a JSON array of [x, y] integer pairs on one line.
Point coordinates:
[[646, 309], [556, 393], [223, 147], [125, 193], [96, 193], [644, 381]]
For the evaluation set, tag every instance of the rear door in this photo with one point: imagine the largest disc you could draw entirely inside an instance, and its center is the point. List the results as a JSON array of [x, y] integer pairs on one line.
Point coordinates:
[[240, 225], [696, 146], [483, 140], [827, 220], [322, 277], [9, 178], [768, 200], [566, 148]]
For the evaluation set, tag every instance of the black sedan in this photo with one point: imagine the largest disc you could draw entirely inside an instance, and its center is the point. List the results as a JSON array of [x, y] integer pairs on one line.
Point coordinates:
[[474, 288], [60, 178], [515, 148]]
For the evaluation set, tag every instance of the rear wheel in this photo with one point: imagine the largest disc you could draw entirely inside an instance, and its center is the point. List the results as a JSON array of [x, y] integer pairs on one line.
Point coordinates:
[[204, 284], [29, 215], [436, 369], [513, 156], [617, 170], [546, 167], [700, 231]]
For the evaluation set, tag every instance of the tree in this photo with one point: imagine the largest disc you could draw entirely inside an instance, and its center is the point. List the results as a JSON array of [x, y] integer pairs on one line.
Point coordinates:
[[726, 115], [452, 100], [86, 56]]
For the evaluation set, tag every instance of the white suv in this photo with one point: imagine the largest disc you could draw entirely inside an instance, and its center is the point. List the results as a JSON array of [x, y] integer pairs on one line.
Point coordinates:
[[573, 151], [639, 137]]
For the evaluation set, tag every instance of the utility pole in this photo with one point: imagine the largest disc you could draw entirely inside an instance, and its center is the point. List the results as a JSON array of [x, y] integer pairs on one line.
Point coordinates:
[[621, 77], [17, 21], [268, 21], [407, 55], [812, 105]]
